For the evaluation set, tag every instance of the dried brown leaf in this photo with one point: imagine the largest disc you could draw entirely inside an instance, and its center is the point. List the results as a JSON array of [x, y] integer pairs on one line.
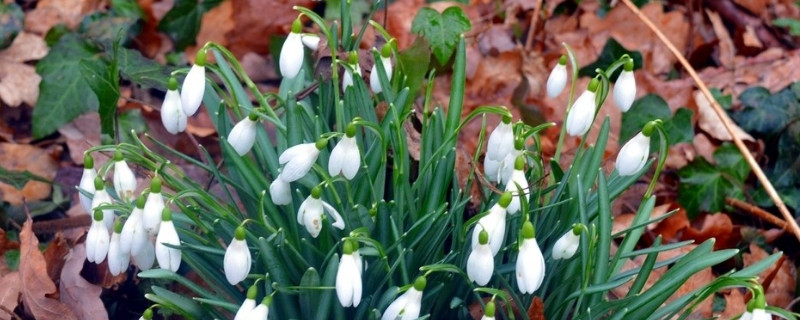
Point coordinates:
[[216, 23], [20, 83], [735, 304], [83, 297], [49, 13], [710, 122], [10, 289], [21, 157], [726, 49], [54, 255], [718, 225], [781, 290], [252, 22], [82, 134]]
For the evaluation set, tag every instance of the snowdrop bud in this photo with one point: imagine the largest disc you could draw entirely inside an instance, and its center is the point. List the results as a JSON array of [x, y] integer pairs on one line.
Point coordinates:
[[311, 41], [581, 114], [488, 313], [516, 182], [494, 223], [97, 240], [101, 197], [248, 305], [625, 87], [168, 258], [133, 236], [261, 312], [147, 255], [348, 277], [87, 182], [407, 306], [194, 85], [243, 135], [118, 259], [299, 159], [147, 315], [386, 61], [530, 262], [172, 115], [633, 155], [237, 258], [480, 264], [558, 78], [567, 245], [124, 179], [292, 53], [345, 157], [501, 141], [347, 78], [153, 207]]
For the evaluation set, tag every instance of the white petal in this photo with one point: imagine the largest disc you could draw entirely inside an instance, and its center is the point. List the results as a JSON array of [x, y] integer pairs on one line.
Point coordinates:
[[151, 214], [495, 225], [172, 115], [303, 207], [102, 197], [247, 307], [312, 220], [581, 115], [311, 41], [413, 305], [374, 77], [237, 261], [296, 151], [97, 242], [261, 312], [243, 136], [348, 282], [506, 167], [168, 258], [146, 257], [117, 259], [557, 80], [128, 231], [124, 181], [338, 222], [625, 90], [761, 314], [500, 142], [530, 266], [517, 178], [87, 184], [396, 307], [490, 168], [480, 265], [193, 89], [345, 158], [280, 192], [566, 246], [633, 155], [291, 59]]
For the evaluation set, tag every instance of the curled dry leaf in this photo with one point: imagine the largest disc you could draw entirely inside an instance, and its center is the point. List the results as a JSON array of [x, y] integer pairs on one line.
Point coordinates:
[[10, 289], [54, 255], [20, 81], [80, 295], [21, 157], [37, 288]]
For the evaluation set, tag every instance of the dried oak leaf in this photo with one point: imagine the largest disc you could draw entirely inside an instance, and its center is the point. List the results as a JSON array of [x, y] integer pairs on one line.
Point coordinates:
[[18, 81], [37, 288], [781, 290], [54, 255], [83, 297], [10, 289], [216, 23], [21, 157]]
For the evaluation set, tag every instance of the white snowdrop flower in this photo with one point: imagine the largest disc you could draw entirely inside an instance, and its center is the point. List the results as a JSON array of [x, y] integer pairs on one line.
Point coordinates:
[[194, 85], [146, 257], [237, 259], [248, 305], [311, 211], [480, 264], [407, 306], [243, 134], [133, 236], [488, 313], [347, 77], [625, 88], [491, 168], [118, 259], [292, 52], [558, 78], [280, 192], [581, 114], [87, 183], [516, 182], [97, 239], [153, 207], [501, 141], [760, 314], [348, 277], [311, 41], [124, 179], [633, 155], [299, 159], [101, 197], [261, 312], [168, 258], [530, 262], [567, 245], [172, 115], [386, 61], [494, 223], [506, 166], [345, 157]]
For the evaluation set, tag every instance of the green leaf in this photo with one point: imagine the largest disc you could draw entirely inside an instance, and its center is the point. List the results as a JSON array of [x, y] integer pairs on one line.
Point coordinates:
[[64, 94], [182, 22], [413, 63], [792, 24], [103, 79], [731, 161], [703, 186], [142, 71], [764, 113], [11, 21], [441, 30], [612, 51], [725, 100], [18, 179], [679, 127], [127, 8]]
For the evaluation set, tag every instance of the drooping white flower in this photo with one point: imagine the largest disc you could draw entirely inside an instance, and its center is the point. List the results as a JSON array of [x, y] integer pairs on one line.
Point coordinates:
[[348, 277], [292, 53], [407, 306], [347, 77], [633, 155], [386, 61], [567, 245], [194, 85], [506, 166], [625, 88], [760, 314], [516, 182], [530, 262], [243, 135], [248, 305], [146, 257], [172, 115], [345, 157], [480, 264], [298, 160], [261, 312], [488, 313], [97, 239], [237, 259], [558, 78], [494, 223], [311, 211], [102, 197], [280, 192], [133, 236], [87, 183], [168, 258], [581, 114], [118, 259], [153, 207], [311, 41], [501, 141], [124, 179]]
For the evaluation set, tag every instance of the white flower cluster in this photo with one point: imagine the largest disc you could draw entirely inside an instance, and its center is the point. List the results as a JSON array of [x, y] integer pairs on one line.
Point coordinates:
[[179, 106]]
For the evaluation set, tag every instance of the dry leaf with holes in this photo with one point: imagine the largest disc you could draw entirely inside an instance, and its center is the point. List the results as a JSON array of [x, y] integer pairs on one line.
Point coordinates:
[[18, 81], [21, 157], [80, 295]]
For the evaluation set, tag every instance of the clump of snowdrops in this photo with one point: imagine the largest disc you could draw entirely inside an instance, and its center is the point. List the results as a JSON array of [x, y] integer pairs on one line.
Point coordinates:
[[325, 213]]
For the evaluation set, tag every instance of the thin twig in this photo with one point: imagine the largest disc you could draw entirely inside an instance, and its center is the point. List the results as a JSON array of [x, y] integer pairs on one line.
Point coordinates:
[[532, 28], [723, 118], [756, 211]]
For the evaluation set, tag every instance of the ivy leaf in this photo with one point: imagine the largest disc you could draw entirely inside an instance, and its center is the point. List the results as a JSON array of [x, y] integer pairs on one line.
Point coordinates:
[[792, 24], [18, 179], [142, 71], [64, 94], [441, 30], [103, 79], [703, 186], [182, 22], [612, 51], [764, 113], [650, 107], [730, 160]]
